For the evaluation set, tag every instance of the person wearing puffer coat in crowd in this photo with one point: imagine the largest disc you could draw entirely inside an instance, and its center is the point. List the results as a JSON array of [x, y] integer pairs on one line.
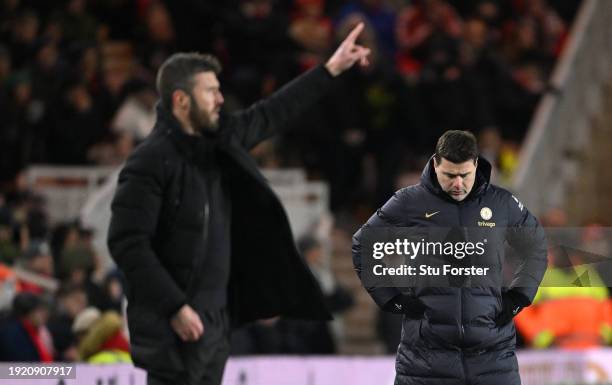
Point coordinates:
[[101, 338]]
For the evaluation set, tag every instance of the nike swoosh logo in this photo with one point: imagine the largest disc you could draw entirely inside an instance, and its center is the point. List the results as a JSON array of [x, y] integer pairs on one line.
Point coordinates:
[[428, 215], [516, 310]]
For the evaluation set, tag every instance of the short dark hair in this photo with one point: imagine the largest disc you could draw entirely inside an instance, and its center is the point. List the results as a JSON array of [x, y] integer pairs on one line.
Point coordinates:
[[177, 73], [456, 146], [68, 289], [25, 303]]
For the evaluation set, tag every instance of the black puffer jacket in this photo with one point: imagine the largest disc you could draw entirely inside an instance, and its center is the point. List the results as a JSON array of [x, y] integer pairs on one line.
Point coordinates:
[[159, 226], [457, 338]]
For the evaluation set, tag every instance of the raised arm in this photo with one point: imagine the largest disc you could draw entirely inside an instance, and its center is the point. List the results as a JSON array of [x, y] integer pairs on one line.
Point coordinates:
[[269, 116]]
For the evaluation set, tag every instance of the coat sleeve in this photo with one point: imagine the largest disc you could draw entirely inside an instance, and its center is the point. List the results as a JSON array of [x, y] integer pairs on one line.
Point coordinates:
[[269, 116], [135, 212], [388, 215], [526, 236]]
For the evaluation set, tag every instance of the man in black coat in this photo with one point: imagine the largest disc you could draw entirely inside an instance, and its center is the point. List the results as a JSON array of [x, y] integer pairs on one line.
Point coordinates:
[[190, 197], [461, 332]]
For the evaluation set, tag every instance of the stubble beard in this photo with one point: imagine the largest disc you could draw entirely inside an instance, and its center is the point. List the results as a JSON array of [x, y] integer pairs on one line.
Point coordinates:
[[200, 120]]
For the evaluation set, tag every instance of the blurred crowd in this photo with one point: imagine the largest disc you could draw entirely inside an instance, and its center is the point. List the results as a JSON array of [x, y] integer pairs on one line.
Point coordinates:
[[77, 78], [77, 88]]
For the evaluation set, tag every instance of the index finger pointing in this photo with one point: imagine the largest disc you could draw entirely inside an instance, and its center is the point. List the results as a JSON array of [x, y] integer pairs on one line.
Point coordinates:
[[352, 36]]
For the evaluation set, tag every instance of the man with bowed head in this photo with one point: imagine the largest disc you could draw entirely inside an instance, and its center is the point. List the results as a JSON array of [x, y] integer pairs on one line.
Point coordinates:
[[195, 228], [461, 333]]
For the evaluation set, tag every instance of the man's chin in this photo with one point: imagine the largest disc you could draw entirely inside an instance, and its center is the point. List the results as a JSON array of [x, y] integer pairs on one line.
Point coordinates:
[[213, 123], [213, 126], [458, 197], [210, 127]]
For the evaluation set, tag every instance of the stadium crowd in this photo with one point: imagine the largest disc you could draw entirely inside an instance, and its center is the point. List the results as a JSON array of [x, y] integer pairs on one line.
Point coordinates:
[[77, 88]]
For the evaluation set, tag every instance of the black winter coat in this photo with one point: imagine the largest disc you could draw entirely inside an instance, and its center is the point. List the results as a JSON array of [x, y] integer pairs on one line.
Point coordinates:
[[456, 339], [159, 225]]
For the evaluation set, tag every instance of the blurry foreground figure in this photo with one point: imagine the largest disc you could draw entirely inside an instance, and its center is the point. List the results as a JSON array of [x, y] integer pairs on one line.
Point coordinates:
[[188, 198]]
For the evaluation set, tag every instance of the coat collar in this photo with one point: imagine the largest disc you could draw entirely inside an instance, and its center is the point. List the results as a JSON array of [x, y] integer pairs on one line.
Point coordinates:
[[483, 178]]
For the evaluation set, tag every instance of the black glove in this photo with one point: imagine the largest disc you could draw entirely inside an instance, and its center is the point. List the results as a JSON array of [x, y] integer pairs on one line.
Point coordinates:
[[512, 304], [405, 304]]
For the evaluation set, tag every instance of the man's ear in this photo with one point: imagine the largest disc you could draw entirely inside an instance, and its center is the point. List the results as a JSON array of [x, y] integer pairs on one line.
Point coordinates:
[[180, 99], [476, 161]]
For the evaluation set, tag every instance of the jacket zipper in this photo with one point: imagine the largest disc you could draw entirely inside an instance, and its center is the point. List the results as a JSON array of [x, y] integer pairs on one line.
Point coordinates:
[[200, 261], [461, 326]]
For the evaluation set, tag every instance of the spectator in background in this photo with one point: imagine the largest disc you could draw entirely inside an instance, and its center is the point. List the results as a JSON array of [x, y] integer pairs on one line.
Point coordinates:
[[312, 30], [36, 219], [550, 28], [23, 335], [337, 297], [78, 127], [518, 97], [71, 301], [9, 10], [79, 265], [378, 15], [5, 70], [8, 249], [481, 70], [490, 143], [132, 122], [47, 72], [159, 37], [78, 24], [572, 308], [535, 40], [37, 260], [77, 257], [114, 293], [20, 117], [18, 198], [85, 64], [258, 27], [54, 30], [24, 30], [116, 18], [136, 116], [418, 26], [491, 13], [100, 337]]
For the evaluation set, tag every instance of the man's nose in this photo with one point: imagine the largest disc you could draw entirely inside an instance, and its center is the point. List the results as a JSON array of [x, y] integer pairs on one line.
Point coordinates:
[[458, 182], [220, 98]]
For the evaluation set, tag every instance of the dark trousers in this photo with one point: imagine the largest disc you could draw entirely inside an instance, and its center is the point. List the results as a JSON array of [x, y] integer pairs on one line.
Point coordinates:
[[204, 360]]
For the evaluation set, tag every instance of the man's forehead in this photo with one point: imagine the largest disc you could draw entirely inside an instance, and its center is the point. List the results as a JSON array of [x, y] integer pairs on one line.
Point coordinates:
[[456, 168], [206, 79]]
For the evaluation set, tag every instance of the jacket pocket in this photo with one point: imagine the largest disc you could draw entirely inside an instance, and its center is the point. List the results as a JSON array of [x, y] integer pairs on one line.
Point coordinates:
[[154, 345]]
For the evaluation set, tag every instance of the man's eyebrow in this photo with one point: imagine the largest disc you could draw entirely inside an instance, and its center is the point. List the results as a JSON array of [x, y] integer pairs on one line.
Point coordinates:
[[451, 175]]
